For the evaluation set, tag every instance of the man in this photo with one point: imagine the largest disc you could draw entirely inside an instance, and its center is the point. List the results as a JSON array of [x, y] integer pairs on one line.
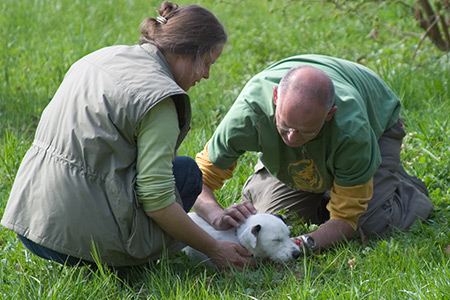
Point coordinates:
[[329, 135]]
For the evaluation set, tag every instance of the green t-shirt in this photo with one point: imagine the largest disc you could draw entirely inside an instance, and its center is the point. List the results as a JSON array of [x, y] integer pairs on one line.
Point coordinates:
[[344, 152]]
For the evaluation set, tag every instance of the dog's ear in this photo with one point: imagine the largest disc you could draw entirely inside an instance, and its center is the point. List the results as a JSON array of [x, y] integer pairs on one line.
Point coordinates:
[[249, 237], [256, 229]]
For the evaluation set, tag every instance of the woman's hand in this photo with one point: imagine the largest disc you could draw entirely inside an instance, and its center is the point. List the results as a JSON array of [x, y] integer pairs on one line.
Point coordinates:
[[227, 254], [174, 220]]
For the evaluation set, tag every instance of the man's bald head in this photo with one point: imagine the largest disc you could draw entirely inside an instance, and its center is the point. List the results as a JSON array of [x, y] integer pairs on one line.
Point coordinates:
[[308, 86], [304, 102]]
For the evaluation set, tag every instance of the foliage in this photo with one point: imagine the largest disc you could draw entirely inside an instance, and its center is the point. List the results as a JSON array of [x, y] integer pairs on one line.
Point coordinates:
[[42, 38], [435, 21]]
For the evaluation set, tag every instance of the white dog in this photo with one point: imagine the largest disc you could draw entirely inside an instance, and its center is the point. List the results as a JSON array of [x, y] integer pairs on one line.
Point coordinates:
[[266, 236]]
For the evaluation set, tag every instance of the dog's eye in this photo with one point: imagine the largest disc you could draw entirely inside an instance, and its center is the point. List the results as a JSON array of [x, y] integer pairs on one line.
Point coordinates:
[[278, 240]]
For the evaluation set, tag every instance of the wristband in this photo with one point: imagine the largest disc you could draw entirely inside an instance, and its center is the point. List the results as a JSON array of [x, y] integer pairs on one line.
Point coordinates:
[[306, 243]]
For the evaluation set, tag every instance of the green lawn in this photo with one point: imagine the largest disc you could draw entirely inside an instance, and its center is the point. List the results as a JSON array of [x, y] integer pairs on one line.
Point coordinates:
[[40, 39]]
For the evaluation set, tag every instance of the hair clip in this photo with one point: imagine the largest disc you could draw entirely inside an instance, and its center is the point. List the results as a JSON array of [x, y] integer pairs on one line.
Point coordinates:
[[161, 20]]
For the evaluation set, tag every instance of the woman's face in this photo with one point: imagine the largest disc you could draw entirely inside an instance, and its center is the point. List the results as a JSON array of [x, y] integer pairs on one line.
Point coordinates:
[[187, 72]]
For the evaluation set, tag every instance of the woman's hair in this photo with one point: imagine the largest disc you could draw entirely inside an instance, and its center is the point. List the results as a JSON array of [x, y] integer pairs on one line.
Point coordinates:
[[186, 30]]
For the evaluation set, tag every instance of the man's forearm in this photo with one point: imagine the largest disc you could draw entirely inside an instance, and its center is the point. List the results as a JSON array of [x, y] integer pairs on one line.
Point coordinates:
[[331, 233], [207, 206]]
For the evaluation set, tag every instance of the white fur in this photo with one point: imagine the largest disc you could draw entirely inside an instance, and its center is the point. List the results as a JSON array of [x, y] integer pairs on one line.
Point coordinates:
[[266, 236]]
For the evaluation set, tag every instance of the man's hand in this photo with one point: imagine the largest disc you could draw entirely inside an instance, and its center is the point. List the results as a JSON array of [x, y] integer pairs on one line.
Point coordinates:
[[207, 207], [234, 214]]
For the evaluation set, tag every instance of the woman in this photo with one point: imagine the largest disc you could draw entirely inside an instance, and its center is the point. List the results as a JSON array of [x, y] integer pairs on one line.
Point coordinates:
[[101, 177]]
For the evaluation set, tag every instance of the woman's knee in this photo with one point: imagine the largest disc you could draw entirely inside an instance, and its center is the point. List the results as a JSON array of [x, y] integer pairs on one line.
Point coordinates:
[[187, 174]]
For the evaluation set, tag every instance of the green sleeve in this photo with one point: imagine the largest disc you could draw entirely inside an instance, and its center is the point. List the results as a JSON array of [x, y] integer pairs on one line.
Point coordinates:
[[236, 134], [249, 124], [156, 139]]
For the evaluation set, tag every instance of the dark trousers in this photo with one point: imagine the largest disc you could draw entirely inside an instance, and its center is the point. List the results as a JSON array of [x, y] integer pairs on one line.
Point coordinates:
[[188, 182]]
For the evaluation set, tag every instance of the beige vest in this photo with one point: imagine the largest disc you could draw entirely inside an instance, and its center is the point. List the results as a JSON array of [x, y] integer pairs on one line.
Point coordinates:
[[76, 185]]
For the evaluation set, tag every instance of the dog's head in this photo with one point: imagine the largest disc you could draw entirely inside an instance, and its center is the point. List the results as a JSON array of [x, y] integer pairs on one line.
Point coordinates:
[[267, 236]]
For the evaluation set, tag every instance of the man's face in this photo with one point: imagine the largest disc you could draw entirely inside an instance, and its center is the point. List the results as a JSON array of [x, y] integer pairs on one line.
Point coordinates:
[[297, 124], [294, 130]]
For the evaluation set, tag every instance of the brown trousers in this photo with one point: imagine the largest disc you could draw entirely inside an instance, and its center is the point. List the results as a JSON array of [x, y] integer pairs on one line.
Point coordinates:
[[398, 198]]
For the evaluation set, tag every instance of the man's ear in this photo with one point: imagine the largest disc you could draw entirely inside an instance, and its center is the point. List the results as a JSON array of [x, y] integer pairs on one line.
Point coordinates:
[[331, 113], [275, 95]]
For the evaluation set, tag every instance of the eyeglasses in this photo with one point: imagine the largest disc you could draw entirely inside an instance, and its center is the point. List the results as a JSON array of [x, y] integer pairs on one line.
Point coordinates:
[[292, 130]]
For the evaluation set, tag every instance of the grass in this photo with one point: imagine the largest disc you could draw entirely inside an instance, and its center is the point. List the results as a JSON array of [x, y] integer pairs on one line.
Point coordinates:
[[41, 38]]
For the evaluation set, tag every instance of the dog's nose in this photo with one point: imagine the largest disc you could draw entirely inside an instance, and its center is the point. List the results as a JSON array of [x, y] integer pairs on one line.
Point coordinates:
[[296, 254]]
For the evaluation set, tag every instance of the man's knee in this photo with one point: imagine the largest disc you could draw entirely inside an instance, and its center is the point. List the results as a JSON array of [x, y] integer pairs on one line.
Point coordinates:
[[399, 212]]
